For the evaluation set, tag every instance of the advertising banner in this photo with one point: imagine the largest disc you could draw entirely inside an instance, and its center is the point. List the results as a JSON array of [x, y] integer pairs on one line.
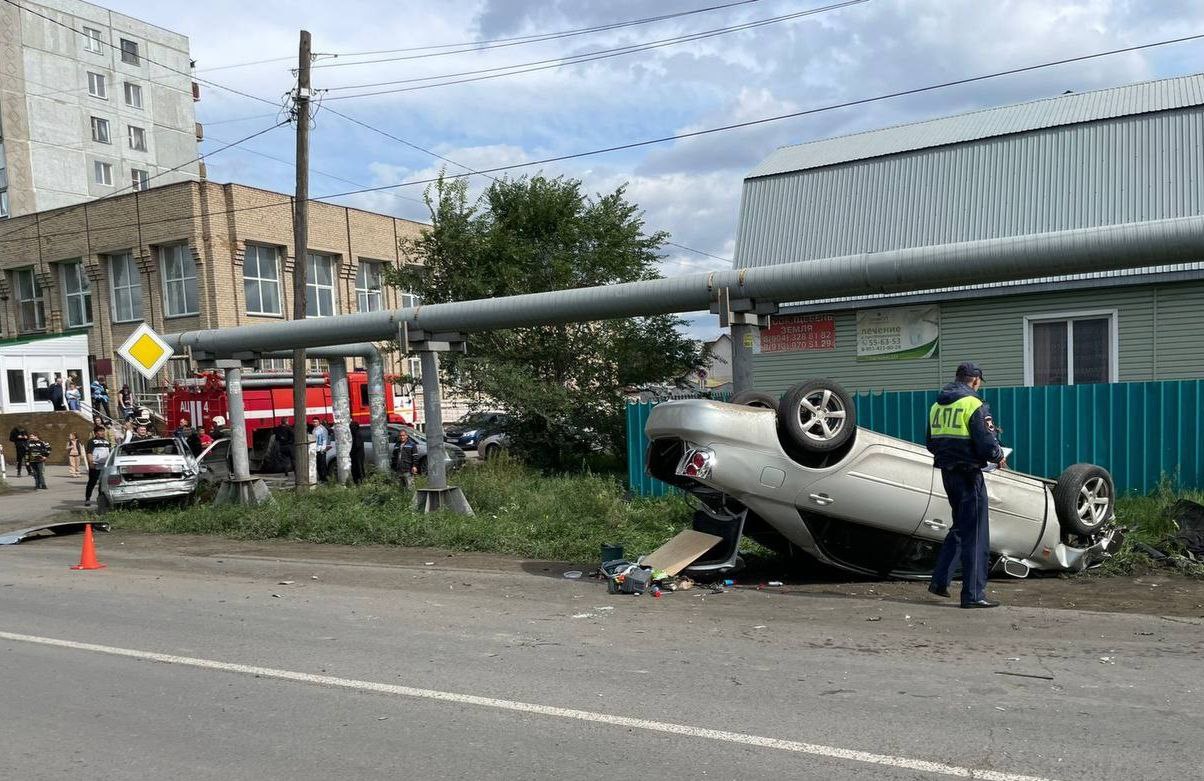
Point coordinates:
[[796, 333], [898, 334]]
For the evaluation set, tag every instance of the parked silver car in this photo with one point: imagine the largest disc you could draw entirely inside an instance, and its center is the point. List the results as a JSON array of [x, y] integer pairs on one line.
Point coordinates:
[[799, 476], [157, 470]]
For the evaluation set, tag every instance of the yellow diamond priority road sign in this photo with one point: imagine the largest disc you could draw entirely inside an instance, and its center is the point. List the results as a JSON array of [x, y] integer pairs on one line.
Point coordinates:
[[146, 351]]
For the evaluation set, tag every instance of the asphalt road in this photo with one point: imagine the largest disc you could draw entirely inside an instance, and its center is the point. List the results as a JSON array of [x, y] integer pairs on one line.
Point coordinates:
[[205, 666]]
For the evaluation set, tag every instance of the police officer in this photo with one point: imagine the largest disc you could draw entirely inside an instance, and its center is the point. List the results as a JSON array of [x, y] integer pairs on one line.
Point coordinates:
[[961, 437]]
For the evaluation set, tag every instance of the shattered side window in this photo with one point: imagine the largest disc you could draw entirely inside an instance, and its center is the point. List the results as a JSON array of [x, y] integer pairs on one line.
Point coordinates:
[[151, 447]]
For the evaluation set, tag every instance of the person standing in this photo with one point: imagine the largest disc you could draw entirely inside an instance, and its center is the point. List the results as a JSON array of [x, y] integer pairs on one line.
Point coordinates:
[[406, 459], [961, 437], [75, 451], [100, 397], [73, 395], [57, 394], [125, 402], [220, 431], [322, 440], [20, 439], [357, 453], [98, 449], [37, 451]]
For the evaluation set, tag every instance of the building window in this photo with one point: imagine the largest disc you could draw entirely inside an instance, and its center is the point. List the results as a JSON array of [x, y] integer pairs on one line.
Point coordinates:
[[319, 286], [179, 280], [133, 95], [77, 294], [3, 203], [1077, 348], [31, 311], [139, 179], [367, 287], [103, 173], [100, 130], [408, 300], [137, 139], [97, 86], [127, 288], [261, 280], [91, 40], [129, 52]]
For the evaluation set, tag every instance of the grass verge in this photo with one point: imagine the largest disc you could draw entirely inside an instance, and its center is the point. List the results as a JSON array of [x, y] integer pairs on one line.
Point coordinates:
[[518, 512], [1149, 522]]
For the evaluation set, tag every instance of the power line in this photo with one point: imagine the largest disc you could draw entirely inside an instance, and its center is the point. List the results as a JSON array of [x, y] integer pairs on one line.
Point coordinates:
[[576, 59], [698, 251], [498, 43]]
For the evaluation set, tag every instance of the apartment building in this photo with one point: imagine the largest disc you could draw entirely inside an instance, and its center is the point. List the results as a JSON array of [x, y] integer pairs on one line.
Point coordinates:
[[184, 256], [92, 103]]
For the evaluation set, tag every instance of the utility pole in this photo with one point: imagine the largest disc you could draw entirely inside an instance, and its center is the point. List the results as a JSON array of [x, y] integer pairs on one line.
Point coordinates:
[[301, 258]]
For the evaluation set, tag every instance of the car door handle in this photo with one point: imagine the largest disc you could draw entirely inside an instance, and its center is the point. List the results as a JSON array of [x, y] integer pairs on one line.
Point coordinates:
[[933, 524], [822, 499]]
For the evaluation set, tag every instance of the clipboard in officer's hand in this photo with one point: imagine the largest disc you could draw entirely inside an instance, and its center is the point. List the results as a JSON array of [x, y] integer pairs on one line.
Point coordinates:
[[1007, 453]]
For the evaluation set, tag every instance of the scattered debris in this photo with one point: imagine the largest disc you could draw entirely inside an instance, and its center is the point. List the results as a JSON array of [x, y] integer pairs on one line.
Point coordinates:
[[1025, 675], [277, 596], [605, 607], [50, 530], [573, 574], [774, 583], [430, 564], [679, 552], [313, 577], [874, 618], [583, 615], [286, 583], [760, 626], [1189, 516], [1107, 660]]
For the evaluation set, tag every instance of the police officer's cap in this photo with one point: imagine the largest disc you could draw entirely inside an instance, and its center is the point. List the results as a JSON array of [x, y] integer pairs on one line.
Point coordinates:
[[969, 369]]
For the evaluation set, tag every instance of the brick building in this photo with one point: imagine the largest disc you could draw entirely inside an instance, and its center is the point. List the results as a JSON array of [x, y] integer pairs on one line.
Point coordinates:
[[183, 256]]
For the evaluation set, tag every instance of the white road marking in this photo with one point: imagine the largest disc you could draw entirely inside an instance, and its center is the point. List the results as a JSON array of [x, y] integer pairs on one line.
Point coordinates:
[[886, 760]]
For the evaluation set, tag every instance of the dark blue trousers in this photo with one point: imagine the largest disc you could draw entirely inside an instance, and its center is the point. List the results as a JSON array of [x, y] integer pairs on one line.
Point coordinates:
[[969, 536]]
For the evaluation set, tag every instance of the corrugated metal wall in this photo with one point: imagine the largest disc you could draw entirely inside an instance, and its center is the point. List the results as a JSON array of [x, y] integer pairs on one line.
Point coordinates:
[[1113, 171], [1141, 432]]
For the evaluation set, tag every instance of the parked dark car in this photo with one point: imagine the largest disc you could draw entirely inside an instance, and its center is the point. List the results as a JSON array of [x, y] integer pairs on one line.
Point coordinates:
[[468, 431], [455, 455]]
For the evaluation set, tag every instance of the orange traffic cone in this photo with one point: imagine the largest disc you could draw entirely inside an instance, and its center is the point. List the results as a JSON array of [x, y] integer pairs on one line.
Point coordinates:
[[87, 557]]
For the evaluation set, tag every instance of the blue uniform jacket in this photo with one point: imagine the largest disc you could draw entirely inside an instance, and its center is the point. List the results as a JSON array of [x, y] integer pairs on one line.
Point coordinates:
[[958, 453]]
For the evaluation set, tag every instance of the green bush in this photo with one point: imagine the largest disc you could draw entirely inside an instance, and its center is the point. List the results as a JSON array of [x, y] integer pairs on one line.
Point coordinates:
[[517, 512]]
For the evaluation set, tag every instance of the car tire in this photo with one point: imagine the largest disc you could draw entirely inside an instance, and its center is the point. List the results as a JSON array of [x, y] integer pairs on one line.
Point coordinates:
[[102, 504], [1085, 498], [818, 416], [752, 398]]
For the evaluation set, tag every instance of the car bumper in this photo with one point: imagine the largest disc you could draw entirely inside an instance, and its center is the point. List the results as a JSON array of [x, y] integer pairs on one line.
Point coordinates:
[[151, 491]]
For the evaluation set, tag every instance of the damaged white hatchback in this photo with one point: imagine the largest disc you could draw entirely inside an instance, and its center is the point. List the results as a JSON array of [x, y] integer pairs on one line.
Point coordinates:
[[157, 470], [800, 477]]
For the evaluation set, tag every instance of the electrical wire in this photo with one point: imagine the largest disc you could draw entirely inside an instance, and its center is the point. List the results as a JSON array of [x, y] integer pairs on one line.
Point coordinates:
[[576, 59], [499, 43]]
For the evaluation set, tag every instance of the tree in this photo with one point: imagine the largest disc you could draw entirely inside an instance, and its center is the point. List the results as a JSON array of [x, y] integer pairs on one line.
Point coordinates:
[[563, 384]]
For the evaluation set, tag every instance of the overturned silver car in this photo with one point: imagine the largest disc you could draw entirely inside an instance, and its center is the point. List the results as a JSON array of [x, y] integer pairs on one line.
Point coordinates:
[[800, 477], [160, 469]]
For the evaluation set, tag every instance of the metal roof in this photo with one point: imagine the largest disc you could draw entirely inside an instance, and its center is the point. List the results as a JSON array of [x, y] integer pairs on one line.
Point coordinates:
[[1142, 98]]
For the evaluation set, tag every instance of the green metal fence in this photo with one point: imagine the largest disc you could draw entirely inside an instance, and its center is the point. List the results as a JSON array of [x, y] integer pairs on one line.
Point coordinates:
[[1140, 431]]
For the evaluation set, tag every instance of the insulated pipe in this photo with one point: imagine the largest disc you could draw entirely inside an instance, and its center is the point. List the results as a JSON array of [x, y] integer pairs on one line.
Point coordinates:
[[374, 362], [341, 401], [238, 424], [1082, 250]]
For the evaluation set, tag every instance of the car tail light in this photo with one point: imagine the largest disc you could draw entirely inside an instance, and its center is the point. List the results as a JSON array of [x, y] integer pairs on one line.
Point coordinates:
[[115, 480], [696, 463]]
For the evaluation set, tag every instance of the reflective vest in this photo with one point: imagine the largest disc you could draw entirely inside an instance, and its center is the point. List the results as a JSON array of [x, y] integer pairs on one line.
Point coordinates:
[[953, 420]]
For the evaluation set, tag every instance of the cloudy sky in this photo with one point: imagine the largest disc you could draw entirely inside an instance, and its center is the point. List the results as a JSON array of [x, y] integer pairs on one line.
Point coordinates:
[[690, 188]]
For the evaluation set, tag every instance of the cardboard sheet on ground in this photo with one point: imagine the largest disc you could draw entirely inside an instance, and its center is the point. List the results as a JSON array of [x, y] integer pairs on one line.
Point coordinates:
[[680, 552]]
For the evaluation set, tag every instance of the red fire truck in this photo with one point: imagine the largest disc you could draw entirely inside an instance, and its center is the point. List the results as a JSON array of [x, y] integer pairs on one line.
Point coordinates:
[[268, 400]]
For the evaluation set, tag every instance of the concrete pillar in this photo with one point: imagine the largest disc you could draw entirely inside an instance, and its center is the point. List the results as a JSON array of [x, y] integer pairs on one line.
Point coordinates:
[[238, 424], [341, 401], [380, 419], [742, 357], [436, 454]]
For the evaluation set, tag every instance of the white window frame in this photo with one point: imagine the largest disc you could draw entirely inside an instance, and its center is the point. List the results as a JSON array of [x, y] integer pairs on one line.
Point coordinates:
[[98, 85], [133, 286], [311, 276], [1113, 316], [102, 173], [137, 182], [37, 299], [136, 133], [92, 40], [184, 279], [135, 55], [259, 280], [101, 132], [4, 203], [367, 295], [73, 275], [130, 89]]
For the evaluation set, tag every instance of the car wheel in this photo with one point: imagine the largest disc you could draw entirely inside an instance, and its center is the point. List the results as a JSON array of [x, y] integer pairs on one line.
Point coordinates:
[[102, 504], [1084, 498], [751, 398], [492, 451], [818, 416]]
